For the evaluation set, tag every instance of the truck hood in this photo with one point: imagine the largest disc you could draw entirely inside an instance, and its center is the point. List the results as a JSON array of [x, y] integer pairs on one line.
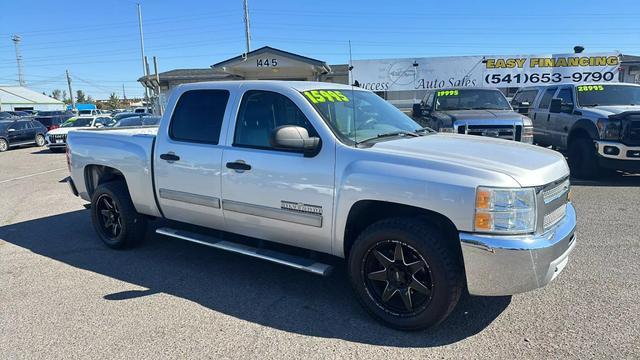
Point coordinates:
[[529, 165], [605, 111]]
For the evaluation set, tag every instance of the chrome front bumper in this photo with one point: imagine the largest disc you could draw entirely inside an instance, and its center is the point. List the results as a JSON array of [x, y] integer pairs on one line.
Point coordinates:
[[620, 151], [507, 265]]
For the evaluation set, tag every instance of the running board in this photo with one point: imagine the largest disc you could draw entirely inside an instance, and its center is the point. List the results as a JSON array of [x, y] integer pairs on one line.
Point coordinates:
[[277, 257]]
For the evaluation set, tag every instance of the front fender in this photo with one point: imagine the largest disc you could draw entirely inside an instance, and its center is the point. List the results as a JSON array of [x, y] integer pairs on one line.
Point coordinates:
[[442, 188]]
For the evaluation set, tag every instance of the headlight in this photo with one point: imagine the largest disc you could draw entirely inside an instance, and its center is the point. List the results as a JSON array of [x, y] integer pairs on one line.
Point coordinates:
[[527, 134], [505, 211], [446, 129], [609, 129]]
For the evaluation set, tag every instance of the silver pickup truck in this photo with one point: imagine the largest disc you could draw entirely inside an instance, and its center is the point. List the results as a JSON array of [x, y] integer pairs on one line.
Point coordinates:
[[335, 170]]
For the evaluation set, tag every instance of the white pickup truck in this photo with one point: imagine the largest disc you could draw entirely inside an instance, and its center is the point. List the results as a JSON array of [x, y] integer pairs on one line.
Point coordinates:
[[333, 169]]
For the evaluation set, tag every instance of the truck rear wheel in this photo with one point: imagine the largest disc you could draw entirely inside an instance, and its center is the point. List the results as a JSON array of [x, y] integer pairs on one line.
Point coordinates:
[[583, 160], [404, 274], [114, 217]]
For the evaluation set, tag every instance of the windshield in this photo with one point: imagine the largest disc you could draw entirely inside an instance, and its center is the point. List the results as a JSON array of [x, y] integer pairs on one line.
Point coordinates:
[[79, 122], [594, 95], [471, 100], [357, 116]]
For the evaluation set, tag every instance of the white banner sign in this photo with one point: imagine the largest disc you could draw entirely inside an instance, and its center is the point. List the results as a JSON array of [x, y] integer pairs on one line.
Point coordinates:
[[484, 71]]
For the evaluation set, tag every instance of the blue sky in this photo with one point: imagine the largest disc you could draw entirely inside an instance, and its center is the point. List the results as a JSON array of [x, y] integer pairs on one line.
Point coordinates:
[[98, 40]]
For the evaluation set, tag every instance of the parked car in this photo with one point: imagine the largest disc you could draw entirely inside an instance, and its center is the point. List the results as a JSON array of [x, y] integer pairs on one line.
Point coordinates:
[[473, 111], [89, 112], [124, 115], [598, 125], [53, 119], [138, 121], [6, 115], [19, 113], [142, 110], [57, 139], [21, 131], [419, 215]]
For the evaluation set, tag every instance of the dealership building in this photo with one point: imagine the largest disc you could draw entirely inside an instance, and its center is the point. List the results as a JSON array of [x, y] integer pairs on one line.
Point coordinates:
[[404, 81], [16, 98]]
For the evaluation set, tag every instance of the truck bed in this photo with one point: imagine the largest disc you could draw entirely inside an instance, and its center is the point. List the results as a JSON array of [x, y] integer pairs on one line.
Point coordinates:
[[130, 150]]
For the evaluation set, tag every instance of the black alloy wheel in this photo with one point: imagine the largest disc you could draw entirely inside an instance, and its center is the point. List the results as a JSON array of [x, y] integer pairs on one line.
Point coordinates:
[[110, 219], [398, 278]]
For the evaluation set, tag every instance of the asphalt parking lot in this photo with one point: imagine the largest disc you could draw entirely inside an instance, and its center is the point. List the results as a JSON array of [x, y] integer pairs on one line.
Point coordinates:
[[65, 295]]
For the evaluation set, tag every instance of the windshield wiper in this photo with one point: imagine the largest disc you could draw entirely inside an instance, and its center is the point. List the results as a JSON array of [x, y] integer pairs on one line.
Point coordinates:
[[425, 129], [390, 134], [589, 105], [487, 108]]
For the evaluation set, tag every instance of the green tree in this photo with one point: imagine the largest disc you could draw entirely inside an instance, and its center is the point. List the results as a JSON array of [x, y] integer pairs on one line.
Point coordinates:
[[57, 94], [81, 98], [65, 98], [114, 101]]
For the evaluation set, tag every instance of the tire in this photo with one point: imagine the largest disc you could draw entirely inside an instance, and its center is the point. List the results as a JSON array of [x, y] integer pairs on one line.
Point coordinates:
[[111, 205], [419, 242], [40, 140], [583, 159], [4, 145]]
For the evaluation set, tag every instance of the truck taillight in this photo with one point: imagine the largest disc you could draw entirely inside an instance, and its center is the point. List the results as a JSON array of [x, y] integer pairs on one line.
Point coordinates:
[[68, 156]]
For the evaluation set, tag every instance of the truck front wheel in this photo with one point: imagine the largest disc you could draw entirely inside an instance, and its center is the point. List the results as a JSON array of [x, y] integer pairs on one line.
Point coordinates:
[[583, 160], [404, 274], [114, 217]]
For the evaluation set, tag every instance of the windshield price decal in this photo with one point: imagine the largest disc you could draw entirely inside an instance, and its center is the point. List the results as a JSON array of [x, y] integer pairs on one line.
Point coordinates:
[[448, 93], [320, 96], [591, 88]]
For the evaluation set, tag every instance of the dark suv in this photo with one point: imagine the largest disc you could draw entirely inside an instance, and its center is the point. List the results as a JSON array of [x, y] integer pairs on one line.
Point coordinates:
[[16, 132], [53, 119]]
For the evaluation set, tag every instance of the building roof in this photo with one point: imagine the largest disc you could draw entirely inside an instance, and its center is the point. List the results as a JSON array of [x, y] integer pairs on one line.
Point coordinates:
[[191, 74], [10, 94], [271, 50]]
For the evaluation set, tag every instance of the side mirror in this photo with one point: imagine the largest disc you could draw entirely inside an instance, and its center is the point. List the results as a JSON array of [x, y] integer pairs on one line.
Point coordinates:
[[416, 111], [523, 107], [556, 106], [567, 108], [290, 137]]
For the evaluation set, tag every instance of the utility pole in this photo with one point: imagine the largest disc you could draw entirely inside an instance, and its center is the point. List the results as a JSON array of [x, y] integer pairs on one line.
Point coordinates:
[[157, 91], [144, 72], [247, 34], [73, 103], [124, 94], [16, 42]]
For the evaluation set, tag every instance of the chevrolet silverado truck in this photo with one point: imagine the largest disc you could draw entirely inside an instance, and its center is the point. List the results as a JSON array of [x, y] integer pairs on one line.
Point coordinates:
[[597, 125], [418, 215], [473, 111]]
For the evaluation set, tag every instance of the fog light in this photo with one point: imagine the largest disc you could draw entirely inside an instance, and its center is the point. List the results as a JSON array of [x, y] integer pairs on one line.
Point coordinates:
[[611, 150], [633, 153]]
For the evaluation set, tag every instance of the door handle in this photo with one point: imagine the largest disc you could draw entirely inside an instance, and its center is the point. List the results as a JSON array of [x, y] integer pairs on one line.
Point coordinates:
[[169, 157], [238, 165]]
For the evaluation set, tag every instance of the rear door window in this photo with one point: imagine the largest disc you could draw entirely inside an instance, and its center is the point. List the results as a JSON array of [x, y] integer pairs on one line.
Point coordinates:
[[198, 116]]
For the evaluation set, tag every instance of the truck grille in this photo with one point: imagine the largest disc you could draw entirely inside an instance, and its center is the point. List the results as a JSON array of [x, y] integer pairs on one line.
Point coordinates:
[[507, 132], [555, 197], [58, 137], [632, 134]]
